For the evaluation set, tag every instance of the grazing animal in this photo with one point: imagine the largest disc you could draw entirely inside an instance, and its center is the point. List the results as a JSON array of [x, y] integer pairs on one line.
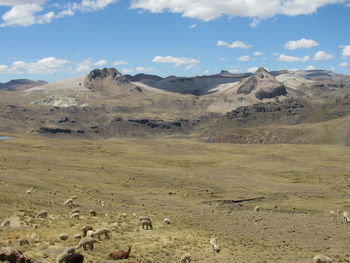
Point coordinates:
[[85, 243], [322, 259], [12, 255], [42, 214], [74, 216], [6, 223], [214, 245], [69, 202], [186, 258], [75, 258], [120, 254], [92, 213], [146, 224], [257, 209], [102, 231], [90, 233], [85, 229], [75, 211], [144, 218], [167, 221], [23, 242], [64, 256], [346, 217], [116, 225]]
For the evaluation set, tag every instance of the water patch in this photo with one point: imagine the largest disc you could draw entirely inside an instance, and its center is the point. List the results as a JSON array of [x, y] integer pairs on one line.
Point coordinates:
[[3, 138]]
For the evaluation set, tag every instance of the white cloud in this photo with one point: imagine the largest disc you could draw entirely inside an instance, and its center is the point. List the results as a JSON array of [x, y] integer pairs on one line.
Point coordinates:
[[344, 64], [322, 55], [234, 70], [302, 43], [87, 65], [25, 13], [120, 62], [235, 44], [310, 67], [49, 65], [206, 71], [285, 58], [193, 26], [346, 51], [258, 53], [127, 70], [253, 69], [208, 10], [244, 58], [101, 62], [176, 61], [91, 5], [143, 69]]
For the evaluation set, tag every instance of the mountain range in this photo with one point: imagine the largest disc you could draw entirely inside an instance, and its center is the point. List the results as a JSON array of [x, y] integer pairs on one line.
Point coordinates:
[[224, 107]]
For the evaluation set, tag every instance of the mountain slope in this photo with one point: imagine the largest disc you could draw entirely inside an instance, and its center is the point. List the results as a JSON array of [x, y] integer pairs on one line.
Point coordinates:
[[21, 84]]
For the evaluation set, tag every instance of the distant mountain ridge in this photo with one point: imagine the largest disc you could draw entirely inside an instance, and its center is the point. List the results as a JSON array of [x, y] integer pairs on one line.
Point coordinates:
[[21, 84]]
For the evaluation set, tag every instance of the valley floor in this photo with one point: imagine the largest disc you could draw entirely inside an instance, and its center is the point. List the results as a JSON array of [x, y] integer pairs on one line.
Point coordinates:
[[194, 184]]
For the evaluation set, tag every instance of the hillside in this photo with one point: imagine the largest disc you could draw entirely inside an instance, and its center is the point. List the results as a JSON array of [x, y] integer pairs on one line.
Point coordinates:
[[21, 84]]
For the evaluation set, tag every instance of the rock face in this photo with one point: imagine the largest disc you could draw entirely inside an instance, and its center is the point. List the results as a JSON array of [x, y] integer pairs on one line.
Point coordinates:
[[263, 85], [105, 79]]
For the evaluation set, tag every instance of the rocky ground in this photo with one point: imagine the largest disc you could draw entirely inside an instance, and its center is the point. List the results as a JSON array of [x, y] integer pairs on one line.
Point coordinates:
[[207, 190]]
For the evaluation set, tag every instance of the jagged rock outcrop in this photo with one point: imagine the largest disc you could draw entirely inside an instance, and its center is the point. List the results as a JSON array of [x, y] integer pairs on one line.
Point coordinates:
[[106, 79], [263, 85]]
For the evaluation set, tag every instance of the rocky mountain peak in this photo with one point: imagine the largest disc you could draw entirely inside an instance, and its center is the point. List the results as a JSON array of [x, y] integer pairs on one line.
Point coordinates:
[[98, 79], [263, 85]]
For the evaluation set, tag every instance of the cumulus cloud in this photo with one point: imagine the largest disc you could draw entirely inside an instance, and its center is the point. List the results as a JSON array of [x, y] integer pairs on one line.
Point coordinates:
[[47, 65], [26, 13], [346, 51], [252, 69], [244, 58], [87, 65], [208, 10], [322, 55], [120, 62], [258, 53], [344, 64], [127, 70], [310, 67], [101, 62], [235, 44], [90, 5], [285, 58], [174, 60], [302, 43], [144, 69]]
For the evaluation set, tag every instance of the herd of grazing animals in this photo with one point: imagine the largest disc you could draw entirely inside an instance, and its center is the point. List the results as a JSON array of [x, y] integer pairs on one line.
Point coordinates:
[[87, 239]]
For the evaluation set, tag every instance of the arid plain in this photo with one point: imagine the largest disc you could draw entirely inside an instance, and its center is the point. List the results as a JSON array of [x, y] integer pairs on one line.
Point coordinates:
[[204, 188]]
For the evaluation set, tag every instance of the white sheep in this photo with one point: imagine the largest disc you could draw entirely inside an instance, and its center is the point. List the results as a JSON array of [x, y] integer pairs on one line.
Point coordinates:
[[257, 209], [42, 214], [124, 215], [167, 221], [75, 216], [322, 259], [75, 211], [6, 223], [62, 258], [90, 233], [346, 217], [186, 258], [214, 245], [102, 231], [69, 202], [144, 218], [117, 226], [74, 197], [86, 242]]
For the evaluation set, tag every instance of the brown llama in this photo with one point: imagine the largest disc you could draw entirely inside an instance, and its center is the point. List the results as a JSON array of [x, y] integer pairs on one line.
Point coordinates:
[[120, 254]]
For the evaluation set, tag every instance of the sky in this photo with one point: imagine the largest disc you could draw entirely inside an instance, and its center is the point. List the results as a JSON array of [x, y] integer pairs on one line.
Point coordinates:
[[57, 39]]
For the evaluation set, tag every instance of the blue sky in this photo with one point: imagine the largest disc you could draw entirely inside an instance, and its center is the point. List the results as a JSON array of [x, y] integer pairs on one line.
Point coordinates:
[[57, 39]]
